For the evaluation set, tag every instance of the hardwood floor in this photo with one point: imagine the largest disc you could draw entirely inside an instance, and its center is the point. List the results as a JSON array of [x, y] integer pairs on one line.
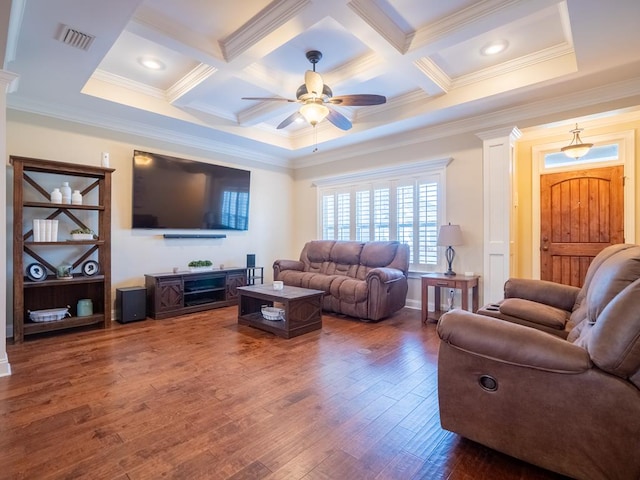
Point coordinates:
[[200, 397]]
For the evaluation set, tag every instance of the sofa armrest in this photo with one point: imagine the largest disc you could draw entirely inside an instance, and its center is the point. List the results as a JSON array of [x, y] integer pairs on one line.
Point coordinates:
[[541, 291], [282, 265], [385, 274], [511, 343]]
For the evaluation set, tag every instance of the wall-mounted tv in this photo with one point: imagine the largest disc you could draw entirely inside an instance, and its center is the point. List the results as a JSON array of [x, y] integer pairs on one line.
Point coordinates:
[[174, 193]]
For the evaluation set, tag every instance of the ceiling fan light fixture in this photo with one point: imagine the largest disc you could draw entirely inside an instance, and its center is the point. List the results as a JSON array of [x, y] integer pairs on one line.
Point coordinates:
[[314, 112], [576, 148]]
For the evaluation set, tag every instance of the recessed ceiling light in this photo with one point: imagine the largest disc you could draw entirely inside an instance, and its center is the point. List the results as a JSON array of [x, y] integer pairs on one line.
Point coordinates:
[[494, 47], [151, 63]]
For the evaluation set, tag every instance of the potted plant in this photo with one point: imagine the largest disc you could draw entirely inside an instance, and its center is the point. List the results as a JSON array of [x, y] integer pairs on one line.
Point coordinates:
[[82, 234], [200, 265]]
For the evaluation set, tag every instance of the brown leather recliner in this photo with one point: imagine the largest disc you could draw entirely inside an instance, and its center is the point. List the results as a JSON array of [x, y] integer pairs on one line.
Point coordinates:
[[366, 280], [556, 308], [568, 405]]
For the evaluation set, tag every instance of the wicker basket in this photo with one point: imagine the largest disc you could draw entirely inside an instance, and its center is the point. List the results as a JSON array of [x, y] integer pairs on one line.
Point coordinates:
[[49, 315], [273, 314]]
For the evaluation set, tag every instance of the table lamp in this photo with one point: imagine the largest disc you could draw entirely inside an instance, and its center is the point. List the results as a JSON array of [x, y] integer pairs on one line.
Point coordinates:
[[449, 236]]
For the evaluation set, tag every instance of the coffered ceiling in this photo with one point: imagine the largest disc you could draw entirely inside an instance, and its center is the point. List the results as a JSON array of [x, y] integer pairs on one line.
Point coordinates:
[[82, 61]]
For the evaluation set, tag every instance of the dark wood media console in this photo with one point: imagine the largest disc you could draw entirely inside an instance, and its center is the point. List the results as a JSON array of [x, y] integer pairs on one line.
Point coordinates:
[[173, 294]]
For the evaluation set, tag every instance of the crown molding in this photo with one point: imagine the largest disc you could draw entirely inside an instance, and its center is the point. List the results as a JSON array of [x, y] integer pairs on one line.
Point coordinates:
[[130, 127], [505, 118], [458, 21], [9, 80], [377, 19], [122, 82], [415, 168], [191, 80], [512, 132], [266, 21], [434, 73], [515, 65]]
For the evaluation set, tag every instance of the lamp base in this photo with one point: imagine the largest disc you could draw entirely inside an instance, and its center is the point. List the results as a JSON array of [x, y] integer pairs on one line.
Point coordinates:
[[450, 254]]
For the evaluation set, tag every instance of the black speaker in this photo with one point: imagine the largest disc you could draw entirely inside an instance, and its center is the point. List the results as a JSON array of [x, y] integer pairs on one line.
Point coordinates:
[[251, 260], [131, 304]]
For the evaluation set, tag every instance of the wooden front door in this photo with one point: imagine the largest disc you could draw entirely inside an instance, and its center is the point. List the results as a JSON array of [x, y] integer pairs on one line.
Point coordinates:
[[582, 212]]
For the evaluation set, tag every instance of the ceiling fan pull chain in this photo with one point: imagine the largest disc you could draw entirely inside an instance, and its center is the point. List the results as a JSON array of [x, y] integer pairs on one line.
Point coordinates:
[[315, 137]]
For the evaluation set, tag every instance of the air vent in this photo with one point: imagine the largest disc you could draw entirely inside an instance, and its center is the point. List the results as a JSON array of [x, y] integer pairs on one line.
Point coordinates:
[[75, 38]]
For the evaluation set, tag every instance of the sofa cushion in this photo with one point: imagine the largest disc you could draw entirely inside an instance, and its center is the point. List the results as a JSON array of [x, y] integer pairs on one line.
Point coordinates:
[[535, 312], [346, 253], [349, 290]]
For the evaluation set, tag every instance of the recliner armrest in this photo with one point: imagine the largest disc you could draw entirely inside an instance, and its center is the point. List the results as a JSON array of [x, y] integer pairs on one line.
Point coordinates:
[[386, 274], [511, 343], [541, 291]]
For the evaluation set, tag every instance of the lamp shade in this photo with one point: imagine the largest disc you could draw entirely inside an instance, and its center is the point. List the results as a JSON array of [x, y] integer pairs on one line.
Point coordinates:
[[449, 235], [314, 112], [577, 148]]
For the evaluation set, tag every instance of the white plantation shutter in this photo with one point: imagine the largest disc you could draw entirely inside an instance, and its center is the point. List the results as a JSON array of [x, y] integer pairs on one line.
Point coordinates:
[[363, 215], [405, 220], [405, 209], [343, 216], [428, 223], [381, 214], [328, 216]]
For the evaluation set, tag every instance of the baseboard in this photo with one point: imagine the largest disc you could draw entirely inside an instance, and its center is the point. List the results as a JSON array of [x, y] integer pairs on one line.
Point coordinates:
[[5, 367]]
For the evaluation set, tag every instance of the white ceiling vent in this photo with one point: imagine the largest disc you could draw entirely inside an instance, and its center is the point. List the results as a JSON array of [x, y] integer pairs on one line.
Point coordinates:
[[75, 38]]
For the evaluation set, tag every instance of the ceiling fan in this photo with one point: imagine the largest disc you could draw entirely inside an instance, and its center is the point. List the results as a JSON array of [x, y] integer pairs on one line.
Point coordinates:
[[316, 98]]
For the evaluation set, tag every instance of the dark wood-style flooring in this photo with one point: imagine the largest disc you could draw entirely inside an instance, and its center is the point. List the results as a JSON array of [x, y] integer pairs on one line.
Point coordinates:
[[200, 397]]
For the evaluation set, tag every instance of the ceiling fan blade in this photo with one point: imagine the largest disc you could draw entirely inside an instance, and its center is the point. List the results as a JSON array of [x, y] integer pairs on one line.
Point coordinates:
[[274, 99], [359, 100], [313, 82], [339, 120], [290, 119]]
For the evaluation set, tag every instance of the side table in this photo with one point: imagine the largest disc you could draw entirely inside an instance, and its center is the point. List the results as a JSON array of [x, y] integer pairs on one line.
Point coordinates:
[[457, 282]]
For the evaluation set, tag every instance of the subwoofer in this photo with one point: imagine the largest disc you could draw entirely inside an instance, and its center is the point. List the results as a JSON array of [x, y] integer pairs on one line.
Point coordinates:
[[131, 304]]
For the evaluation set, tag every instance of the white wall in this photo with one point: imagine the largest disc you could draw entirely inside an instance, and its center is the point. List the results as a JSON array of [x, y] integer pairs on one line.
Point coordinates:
[[463, 195], [135, 253]]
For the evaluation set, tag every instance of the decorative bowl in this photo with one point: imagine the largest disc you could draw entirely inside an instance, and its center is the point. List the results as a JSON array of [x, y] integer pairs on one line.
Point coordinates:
[[272, 313]]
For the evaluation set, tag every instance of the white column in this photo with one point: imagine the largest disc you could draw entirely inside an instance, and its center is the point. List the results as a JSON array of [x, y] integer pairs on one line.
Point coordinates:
[[498, 169], [6, 78]]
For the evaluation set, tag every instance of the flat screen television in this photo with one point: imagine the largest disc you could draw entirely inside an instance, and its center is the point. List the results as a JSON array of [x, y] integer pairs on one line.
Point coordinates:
[[174, 193]]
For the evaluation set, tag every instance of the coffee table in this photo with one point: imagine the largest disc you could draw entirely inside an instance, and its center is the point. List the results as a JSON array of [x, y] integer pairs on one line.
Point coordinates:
[[302, 309]]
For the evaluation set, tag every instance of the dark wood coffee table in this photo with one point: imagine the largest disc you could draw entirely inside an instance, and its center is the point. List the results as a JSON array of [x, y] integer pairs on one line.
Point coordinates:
[[302, 309]]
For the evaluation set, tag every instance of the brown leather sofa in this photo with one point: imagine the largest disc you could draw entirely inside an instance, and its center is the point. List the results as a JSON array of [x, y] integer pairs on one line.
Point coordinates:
[[569, 405], [556, 308], [366, 280]]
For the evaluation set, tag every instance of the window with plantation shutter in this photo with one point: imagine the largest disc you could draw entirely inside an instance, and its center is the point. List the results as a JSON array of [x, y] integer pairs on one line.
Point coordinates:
[[406, 208]]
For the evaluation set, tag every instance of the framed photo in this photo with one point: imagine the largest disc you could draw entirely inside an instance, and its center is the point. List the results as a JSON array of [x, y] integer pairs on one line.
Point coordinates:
[[36, 272], [90, 268]]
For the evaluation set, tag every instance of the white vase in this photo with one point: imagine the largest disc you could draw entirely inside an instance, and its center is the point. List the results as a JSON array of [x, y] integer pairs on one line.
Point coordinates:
[[66, 193], [56, 196], [76, 197]]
